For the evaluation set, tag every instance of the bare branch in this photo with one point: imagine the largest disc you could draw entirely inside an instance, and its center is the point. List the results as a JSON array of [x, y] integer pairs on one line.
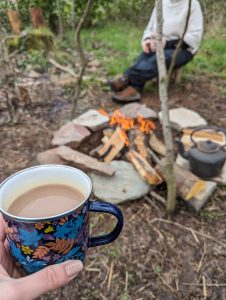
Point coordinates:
[[163, 93], [81, 55]]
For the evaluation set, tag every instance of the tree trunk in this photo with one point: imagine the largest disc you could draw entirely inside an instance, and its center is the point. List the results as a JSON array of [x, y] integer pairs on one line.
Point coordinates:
[[14, 20], [163, 93], [61, 29], [37, 18], [73, 20]]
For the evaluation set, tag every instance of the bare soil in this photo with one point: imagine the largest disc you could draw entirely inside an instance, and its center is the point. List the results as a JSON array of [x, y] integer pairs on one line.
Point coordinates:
[[156, 257]]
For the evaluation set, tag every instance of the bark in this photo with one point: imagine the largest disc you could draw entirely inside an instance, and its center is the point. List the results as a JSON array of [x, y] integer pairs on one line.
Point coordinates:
[[61, 29], [163, 93], [14, 20], [37, 18], [81, 55], [178, 48], [73, 20]]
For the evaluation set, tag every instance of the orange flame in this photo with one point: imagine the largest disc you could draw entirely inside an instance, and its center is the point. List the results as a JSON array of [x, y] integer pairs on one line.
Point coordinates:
[[103, 112], [145, 125], [118, 118]]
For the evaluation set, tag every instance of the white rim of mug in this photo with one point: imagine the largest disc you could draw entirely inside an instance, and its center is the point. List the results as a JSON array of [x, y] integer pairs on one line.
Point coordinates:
[[49, 218]]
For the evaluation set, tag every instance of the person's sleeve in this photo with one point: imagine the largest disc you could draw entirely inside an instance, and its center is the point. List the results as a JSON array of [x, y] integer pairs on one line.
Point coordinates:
[[194, 32], [150, 28]]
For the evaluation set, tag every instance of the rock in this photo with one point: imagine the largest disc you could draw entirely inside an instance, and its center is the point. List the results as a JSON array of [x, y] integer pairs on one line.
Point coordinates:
[[133, 110], [84, 162], [125, 185], [70, 134], [50, 157], [222, 176], [184, 118], [199, 200], [92, 119]]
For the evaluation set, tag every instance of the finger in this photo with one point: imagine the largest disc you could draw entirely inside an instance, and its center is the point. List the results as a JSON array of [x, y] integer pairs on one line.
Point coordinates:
[[2, 229], [48, 279]]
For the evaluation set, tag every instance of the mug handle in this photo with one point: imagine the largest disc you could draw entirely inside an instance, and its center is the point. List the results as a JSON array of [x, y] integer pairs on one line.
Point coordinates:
[[96, 206]]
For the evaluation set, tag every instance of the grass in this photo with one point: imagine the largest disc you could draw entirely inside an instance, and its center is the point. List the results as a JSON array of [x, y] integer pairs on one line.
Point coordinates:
[[117, 45]]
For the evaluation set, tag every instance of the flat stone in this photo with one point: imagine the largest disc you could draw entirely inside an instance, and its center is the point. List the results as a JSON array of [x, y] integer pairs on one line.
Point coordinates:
[[70, 134], [50, 157], [199, 200], [124, 186], [84, 162], [184, 118], [133, 110], [92, 119]]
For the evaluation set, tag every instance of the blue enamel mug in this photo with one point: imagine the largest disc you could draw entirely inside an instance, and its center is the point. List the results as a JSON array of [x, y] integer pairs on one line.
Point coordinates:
[[36, 243]]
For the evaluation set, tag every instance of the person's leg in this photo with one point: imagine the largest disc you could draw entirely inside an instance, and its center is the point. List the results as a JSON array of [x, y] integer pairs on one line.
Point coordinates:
[[145, 68], [183, 57]]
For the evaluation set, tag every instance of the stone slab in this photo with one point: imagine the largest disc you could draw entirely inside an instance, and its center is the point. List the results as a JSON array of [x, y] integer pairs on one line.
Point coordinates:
[[50, 157], [124, 186], [133, 110], [92, 119], [70, 134], [184, 118], [84, 162]]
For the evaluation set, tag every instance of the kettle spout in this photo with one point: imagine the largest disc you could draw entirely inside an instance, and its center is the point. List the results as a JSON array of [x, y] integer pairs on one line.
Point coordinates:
[[181, 149]]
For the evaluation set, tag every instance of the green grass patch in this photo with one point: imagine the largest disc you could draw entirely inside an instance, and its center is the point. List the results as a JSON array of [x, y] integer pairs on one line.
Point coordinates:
[[120, 44]]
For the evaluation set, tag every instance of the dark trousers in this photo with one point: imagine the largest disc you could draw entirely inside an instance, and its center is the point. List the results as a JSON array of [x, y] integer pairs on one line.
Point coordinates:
[[145, 68]]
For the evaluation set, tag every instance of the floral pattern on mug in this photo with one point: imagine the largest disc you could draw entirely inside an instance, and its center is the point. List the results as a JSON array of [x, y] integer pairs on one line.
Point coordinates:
[[36, 245]]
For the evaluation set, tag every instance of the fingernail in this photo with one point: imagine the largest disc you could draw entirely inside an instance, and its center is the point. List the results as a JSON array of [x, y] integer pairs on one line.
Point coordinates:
[[73, 268]]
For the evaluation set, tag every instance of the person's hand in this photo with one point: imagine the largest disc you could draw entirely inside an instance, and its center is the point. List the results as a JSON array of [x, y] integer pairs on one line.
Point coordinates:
[[15, 287], [146, 46]]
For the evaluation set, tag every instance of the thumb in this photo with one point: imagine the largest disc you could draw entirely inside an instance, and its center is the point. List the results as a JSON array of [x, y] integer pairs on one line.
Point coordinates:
[[48, 279]]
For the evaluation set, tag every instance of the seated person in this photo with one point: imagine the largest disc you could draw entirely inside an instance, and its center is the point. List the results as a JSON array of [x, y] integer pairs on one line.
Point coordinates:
[[129, 87]]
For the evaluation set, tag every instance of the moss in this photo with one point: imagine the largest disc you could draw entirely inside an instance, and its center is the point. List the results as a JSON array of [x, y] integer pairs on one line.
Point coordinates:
[[13, 43]]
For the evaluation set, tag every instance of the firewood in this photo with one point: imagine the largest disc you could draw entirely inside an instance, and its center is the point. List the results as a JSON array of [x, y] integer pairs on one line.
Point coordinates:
[[144, 168], [116, 143], [157, 145], [137, 142], [188, 185], [84, 162], [217, 137]]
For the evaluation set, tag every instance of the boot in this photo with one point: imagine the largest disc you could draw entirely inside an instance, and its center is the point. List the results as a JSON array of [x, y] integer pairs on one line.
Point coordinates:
[[119, 83], [129, 94]]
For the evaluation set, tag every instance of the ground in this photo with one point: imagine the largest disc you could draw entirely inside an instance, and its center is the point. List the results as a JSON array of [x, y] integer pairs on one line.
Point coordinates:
[[156, 257]]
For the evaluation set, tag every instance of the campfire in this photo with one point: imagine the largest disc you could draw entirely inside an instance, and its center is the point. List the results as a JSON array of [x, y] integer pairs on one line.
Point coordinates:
[[127, 134]]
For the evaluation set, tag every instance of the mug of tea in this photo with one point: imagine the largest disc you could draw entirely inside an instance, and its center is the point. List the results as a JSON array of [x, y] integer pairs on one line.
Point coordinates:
[[46, 209]]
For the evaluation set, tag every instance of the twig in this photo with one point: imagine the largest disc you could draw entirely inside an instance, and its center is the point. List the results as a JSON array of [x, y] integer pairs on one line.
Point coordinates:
[[151, 202], [62, 68], [126, 282], [207, 284], [189, 229], [158, 197], [178, 47], [110, 276], [204, 288], [154, 157], [202, 258]]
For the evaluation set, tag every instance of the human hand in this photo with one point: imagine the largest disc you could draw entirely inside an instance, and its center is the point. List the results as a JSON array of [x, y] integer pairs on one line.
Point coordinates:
[[15, 287], [146, 46]]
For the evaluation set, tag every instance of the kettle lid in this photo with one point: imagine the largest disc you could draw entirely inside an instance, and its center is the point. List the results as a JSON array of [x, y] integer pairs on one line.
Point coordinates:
[[208, 146]]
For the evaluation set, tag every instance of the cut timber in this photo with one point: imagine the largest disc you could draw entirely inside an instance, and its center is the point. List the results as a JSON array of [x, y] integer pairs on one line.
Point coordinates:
[[84, 162], [144, 168], [157, 145], [137, 142], [217, 137], [188, 185], [116, 143], [14, 20]]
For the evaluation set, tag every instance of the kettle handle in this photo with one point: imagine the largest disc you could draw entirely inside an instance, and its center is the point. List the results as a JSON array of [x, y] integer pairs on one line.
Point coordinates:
[[214, 128]]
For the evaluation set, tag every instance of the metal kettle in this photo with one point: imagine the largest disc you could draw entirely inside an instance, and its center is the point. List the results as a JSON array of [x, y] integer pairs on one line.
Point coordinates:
[[206, 158]]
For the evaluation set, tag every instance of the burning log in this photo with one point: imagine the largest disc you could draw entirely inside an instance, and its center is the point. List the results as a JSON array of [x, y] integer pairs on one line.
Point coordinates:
[[157, 145], [137, 142], [144, 168], [188, 185], [115, 144]]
